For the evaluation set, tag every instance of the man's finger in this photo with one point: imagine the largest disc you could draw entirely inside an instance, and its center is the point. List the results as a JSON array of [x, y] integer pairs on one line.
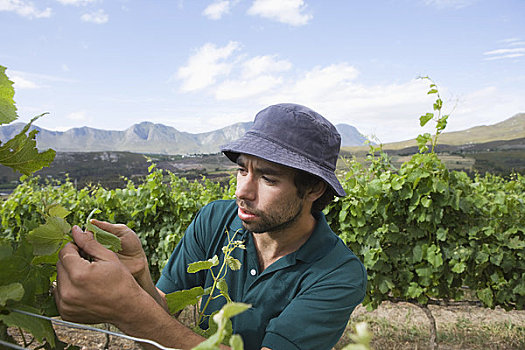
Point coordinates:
[[116, 229], [70, 260], [87, 243]]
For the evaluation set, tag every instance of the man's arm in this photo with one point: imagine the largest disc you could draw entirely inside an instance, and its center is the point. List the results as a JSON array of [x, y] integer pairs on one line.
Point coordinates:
[[104, 290]]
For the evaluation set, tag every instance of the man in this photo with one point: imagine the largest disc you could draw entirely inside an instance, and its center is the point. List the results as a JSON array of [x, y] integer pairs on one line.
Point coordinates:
[[302, 281]]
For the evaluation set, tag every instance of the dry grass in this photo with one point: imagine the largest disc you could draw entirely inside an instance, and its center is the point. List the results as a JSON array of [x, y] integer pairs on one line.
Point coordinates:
[[405, 326]]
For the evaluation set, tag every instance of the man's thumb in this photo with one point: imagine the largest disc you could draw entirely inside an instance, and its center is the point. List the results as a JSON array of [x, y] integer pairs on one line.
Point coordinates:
[[89, 245]]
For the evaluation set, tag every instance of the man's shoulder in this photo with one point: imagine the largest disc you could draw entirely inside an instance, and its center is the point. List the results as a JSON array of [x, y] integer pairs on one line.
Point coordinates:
[[220, 206], [219, 214]]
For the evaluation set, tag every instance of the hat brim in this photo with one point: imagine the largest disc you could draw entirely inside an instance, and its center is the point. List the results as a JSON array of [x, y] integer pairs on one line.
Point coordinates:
[[260, 147]]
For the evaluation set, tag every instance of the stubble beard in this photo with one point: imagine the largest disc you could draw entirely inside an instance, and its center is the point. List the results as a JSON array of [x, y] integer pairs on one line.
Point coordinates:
[[272, 222]]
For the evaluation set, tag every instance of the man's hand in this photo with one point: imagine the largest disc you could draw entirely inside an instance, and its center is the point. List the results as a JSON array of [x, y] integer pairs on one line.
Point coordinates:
[[100, 290], [132, 255]]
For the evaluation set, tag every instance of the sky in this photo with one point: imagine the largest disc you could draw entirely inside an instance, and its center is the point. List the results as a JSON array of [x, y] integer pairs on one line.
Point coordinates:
[[200, 65]]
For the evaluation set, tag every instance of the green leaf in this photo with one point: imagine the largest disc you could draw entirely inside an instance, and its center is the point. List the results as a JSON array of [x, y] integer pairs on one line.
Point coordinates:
[[236, 342], [438, 104], [232, 309], [20, 153], [13, 291], [442, 123], [47, 238], [424, 119], [223, 286], [459, 267], [432, 91], [105, 238], [417, 253], [57, 210], [486, 297], [441, 234], [434, 256], [414, 290], [41, 329], [233, 263], [7, 103], [203, 265], [179, 300]]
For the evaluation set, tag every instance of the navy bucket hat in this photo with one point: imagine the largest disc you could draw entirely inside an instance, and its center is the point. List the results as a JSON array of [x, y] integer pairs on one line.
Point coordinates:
[[294, 136]]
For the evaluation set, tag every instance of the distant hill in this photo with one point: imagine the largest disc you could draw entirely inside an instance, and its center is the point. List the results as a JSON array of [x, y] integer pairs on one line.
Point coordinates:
[[147, 137], [509, 129]]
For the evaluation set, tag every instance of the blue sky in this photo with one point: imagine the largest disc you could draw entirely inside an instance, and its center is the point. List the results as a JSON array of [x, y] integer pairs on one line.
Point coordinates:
[[201, 65]]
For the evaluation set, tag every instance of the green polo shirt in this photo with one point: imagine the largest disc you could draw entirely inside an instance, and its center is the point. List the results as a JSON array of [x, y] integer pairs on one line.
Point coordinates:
[[302, 301]]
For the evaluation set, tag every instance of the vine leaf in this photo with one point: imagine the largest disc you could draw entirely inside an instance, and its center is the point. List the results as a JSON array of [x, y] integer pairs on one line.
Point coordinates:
[[20, 153], [41, 329], [7, 103], [179, 300], [203, 265], [47, 238], [13, 291], [105, 238], [236, 342]]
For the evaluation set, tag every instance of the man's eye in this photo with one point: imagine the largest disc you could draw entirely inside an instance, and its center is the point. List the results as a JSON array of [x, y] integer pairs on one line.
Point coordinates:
[[268, 180], [241, 170]]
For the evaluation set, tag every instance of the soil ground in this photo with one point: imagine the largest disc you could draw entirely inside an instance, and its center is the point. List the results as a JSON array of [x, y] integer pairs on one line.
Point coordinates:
[[394, 326]]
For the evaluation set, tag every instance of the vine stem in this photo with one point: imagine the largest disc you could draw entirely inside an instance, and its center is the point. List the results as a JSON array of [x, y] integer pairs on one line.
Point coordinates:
[[216, 279], [433, 344]]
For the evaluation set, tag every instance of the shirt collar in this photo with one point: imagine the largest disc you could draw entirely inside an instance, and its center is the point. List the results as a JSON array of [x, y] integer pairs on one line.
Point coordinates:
[[320, 243]]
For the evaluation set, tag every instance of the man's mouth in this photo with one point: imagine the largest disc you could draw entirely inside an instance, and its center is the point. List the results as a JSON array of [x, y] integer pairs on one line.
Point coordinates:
[[245, 214]]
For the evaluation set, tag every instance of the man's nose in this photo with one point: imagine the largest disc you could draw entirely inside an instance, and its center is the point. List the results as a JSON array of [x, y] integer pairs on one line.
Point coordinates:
[[246, 188]]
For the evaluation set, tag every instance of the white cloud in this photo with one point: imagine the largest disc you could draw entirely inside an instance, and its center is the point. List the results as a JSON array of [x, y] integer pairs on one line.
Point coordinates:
[[78, 116], [263, 65], [486, 106], [284, 11], [77, 2], [510, 52], [21, 83], [237, 89], [390, 111], [456, 4], [26, 80], [98, 17], [217, 9], [24, 8], [206, 65], [242, 76]]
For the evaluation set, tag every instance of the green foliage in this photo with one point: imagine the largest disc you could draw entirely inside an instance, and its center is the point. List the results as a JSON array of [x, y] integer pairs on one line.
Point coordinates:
[[7, 103], [33, 231], [361, 338], [439, 119], [19, 153], [221, 329], [424, 232]]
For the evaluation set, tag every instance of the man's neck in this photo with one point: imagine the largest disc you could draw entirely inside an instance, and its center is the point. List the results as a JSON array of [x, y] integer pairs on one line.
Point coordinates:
[[271, 246]]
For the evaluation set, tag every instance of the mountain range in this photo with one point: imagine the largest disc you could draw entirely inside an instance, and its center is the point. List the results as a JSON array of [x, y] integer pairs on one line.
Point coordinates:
[[147, 137], [509, 129]]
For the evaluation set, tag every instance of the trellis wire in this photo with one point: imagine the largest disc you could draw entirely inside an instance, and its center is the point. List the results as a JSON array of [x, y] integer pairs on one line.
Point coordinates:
[[11, 345], [81, 326]]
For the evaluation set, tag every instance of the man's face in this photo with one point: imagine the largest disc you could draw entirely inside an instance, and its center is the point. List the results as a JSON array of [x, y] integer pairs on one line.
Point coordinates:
[[266, 195]]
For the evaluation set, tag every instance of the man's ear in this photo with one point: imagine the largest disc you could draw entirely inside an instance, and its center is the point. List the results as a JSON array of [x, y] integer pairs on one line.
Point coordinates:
[[316, 191]]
